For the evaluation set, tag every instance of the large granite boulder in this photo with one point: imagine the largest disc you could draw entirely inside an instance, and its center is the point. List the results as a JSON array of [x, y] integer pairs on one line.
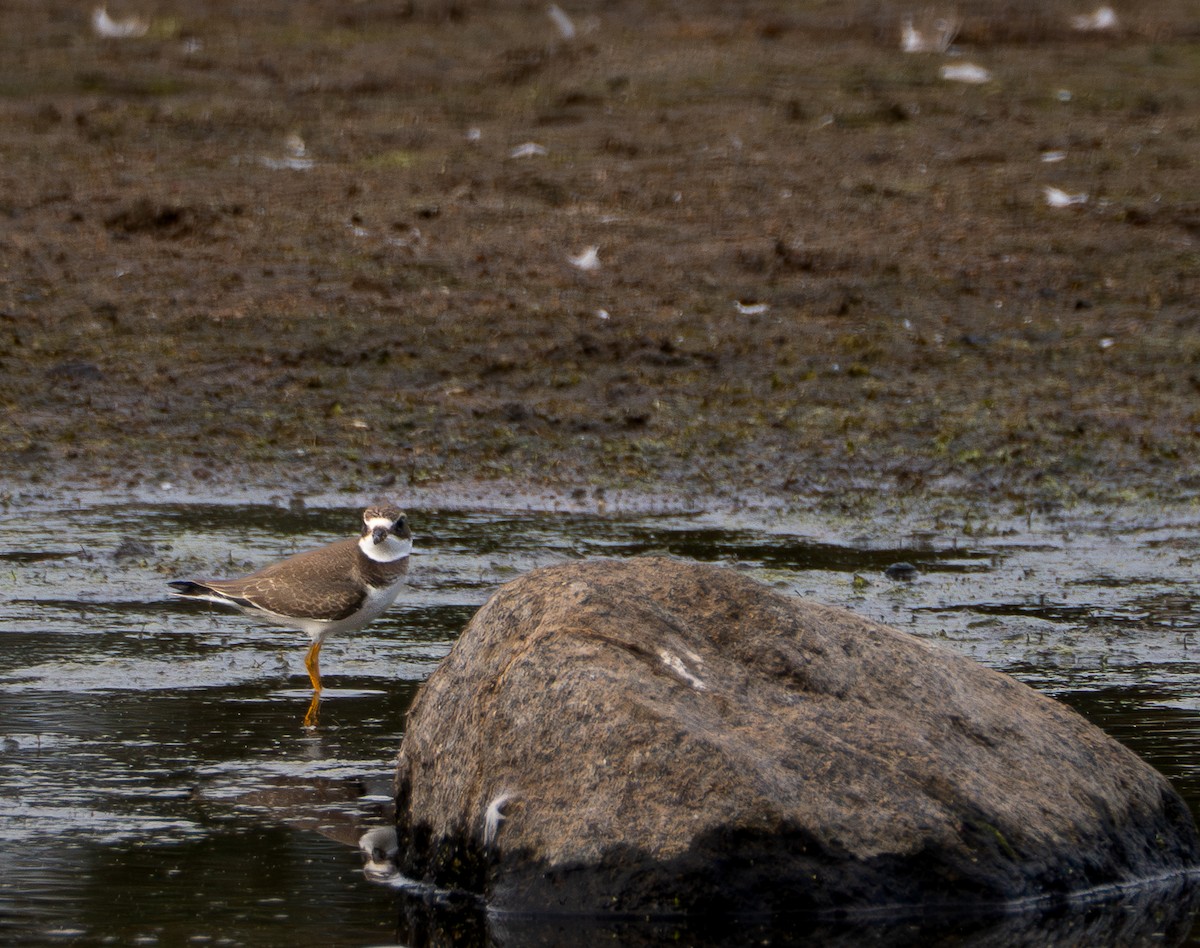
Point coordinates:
[[652, 736]]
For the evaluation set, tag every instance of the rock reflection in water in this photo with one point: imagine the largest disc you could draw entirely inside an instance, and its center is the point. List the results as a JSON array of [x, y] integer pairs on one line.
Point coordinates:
[[1153, 916]]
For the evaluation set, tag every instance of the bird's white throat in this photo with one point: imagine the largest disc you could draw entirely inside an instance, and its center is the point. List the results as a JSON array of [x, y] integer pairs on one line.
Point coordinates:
[[390, 550]]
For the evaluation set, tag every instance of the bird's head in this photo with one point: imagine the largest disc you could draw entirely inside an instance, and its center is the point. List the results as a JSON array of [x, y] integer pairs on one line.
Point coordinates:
[[385, 535], [385, 521]]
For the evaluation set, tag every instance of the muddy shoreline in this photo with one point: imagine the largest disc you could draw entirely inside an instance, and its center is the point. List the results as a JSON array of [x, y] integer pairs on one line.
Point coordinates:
[[288, 248]]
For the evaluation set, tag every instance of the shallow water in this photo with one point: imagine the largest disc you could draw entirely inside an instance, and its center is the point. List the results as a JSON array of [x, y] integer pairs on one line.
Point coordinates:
[[156, 784]]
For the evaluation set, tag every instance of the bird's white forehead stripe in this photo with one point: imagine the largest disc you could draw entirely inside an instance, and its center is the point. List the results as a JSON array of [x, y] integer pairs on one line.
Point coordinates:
[[379, 522]]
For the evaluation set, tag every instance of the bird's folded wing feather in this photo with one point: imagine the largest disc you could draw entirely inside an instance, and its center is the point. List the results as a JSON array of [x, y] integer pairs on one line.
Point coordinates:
[[304, 586]]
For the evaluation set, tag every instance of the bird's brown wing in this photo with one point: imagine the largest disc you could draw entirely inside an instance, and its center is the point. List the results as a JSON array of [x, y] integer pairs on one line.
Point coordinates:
[[305, 586]]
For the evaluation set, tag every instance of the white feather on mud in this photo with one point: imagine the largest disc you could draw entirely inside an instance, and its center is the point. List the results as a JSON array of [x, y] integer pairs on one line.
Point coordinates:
[[966, 72], [933, 34], [588, 259], [564, 24], [130, 27], [1056, 197], [1100, 20], [528, 150]]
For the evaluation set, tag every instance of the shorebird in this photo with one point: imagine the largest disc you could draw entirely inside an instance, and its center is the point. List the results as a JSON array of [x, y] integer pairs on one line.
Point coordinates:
[[337, 588]]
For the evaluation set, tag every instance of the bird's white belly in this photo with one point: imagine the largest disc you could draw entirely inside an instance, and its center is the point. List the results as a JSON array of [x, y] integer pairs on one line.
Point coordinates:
[[376, 603]]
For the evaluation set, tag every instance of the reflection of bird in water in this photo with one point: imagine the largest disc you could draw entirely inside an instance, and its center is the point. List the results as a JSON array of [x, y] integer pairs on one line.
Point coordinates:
[[380, 850], [332, 806], [337, 588], [336, 808]]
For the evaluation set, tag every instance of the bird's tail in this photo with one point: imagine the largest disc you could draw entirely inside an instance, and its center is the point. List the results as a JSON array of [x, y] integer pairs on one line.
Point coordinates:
[[189, 589]]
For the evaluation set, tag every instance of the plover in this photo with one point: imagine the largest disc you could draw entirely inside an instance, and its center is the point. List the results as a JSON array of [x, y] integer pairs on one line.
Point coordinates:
[[337, 588]]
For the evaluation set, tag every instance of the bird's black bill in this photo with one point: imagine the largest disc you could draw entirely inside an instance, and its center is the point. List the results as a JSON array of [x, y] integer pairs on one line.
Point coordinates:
[[379, 534]]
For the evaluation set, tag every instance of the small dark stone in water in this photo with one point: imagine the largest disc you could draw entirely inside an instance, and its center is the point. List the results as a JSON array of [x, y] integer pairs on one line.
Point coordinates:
[[129, 547], [904, 572]]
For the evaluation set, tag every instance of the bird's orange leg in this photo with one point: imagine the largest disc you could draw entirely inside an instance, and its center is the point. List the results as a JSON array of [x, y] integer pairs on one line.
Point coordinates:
[[312, 664]]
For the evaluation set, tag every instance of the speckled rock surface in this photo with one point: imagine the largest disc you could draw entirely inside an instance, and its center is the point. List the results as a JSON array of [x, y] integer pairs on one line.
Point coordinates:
[[652, 736]]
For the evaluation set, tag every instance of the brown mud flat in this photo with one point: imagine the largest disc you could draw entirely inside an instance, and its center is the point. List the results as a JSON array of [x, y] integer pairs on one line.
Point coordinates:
[[286, 243]]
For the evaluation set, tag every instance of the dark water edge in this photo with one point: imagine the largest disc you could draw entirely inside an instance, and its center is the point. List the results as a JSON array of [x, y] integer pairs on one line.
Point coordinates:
[[1156, 914], [156, 786]]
